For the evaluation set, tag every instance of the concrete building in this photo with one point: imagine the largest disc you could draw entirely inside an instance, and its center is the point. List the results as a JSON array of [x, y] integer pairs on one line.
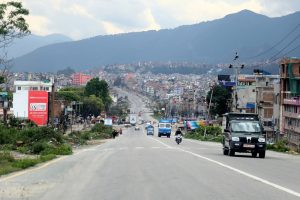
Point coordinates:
[[290, 100], [33, 86], [80, 79], [246, 94], [267, 103]]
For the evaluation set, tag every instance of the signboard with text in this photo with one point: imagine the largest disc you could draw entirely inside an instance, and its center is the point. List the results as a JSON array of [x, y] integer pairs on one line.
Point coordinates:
[[38, 107], [108, 122]]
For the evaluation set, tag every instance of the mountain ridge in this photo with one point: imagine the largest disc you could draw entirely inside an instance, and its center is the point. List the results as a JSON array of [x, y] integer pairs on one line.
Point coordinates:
[[207, 42]]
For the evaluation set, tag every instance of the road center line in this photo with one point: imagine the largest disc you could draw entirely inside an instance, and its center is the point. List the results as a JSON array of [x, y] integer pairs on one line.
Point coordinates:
[[168, 146], [274, 185]]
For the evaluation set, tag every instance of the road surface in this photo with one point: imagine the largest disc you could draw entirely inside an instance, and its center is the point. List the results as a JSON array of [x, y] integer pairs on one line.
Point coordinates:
[[135, 166]]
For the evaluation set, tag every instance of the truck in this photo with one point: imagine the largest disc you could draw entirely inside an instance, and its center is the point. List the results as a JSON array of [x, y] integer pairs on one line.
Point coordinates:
[[164, 128], [243, 133], [132, 119]]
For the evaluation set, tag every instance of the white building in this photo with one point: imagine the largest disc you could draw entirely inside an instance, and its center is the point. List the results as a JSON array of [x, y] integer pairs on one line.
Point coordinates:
[[33, 85]]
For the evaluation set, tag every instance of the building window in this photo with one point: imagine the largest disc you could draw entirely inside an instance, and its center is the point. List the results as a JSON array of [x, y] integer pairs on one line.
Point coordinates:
[[46, 88], [282, 67], [267, 83], [19, 88], [268, 113]]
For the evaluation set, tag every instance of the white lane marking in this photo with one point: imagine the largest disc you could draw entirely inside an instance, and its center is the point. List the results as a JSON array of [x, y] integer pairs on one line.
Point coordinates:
[[156, 147], [123, 148], [139, 147], [274, 185], [168, 146]]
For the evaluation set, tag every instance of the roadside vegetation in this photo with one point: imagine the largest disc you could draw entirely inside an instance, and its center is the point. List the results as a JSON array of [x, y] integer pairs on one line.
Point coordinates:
[[98, 132], [282, 146], [213, 134], [31, 145]]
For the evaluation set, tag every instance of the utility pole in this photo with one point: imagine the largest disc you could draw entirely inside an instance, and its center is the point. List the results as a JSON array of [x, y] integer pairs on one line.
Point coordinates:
[[52, 102], [236, 67], [209, 105]]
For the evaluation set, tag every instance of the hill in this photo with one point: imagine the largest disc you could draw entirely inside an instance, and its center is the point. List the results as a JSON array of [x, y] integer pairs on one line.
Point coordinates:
[[207, 42], [30, 43]]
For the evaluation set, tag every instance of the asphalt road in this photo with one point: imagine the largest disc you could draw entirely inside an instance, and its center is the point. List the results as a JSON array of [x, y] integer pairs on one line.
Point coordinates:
[[135, 166]]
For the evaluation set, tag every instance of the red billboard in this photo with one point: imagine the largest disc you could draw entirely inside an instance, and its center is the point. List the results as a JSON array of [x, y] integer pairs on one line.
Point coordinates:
[[38, 107]]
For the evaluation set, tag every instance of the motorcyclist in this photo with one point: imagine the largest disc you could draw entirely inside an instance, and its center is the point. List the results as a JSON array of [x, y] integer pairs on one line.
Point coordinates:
[[178, 132]]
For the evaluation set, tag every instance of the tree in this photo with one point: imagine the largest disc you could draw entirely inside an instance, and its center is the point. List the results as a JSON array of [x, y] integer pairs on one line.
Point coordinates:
[[99, 89], [12, 22], [68, 96], [219, 100], [92, 105], [12, 25]]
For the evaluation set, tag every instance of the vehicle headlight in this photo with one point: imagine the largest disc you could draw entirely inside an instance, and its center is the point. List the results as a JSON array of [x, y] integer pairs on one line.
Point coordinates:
[[235, 139], [261, 139]]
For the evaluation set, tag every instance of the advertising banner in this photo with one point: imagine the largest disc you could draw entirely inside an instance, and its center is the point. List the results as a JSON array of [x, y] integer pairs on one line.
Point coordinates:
[[38, 107], [108, 122]]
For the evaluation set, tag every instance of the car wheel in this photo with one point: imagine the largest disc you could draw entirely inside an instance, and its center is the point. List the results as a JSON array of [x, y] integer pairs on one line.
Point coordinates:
[[225, 151], [168, 136], [231, 152], [159, 135], [262, 154], [254, 154]]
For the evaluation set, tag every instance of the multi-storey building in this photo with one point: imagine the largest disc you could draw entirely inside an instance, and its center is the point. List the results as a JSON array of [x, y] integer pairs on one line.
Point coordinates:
[[246, 95], [33, 86], [267, 101], [80, 79], [290, 100]]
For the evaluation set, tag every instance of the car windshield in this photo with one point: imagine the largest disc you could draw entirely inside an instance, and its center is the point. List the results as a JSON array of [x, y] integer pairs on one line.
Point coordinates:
[[168, 125], [162, 126], [245, 127]]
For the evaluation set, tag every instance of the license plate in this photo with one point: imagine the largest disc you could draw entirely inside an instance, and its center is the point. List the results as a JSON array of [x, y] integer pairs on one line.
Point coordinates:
[[249, 145]]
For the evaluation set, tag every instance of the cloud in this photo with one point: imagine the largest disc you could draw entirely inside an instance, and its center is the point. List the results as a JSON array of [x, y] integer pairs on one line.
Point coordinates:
[[38, 24], [87, 18]]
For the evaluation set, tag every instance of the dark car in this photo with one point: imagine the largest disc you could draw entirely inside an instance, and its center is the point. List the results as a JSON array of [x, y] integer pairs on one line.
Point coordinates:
[[243, 134]]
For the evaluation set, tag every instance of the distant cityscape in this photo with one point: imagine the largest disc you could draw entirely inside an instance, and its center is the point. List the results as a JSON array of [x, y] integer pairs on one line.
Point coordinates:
[[274, 97]]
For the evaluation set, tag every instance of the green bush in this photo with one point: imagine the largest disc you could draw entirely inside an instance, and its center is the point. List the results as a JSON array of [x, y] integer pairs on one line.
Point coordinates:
[[6, 157], [25, 163], [280, 146], [48, 157], [76, 138], [63, 149], [102, 132], [37, 148], [6, 147], [199, 136]]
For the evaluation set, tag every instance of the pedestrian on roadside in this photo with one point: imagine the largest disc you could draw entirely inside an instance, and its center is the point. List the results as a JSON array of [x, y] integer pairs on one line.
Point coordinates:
[[114, 133]]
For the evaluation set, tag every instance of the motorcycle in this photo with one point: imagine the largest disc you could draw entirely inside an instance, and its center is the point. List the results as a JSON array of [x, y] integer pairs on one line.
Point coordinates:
[[178, 139]]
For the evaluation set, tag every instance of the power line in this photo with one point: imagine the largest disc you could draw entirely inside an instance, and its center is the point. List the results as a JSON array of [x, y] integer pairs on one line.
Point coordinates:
[[274, 56], [286, 53], [271, 48]]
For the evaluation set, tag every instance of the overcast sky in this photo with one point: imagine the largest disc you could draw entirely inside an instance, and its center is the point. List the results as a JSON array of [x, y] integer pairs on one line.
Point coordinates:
[[86, 18]]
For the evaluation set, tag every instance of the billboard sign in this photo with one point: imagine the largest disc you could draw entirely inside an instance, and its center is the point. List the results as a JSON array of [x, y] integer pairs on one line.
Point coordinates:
[[38, 107], [108, 122]]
